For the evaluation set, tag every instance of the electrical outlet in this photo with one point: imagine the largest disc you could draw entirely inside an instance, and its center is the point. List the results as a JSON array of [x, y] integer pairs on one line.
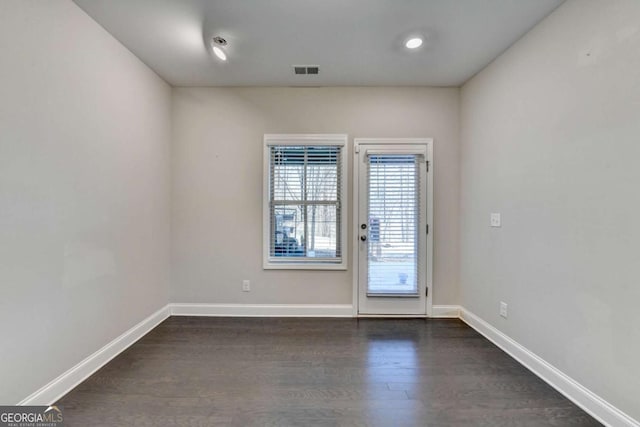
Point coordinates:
[[246, 286], [496, 221], [503, 309]]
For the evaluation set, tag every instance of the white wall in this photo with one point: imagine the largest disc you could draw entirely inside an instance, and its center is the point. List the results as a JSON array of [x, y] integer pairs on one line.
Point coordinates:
[[217, 183], [84, 191], [550, 138]]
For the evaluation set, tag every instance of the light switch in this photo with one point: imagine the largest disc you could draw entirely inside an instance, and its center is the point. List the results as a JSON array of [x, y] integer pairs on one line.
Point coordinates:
[[495, 220]]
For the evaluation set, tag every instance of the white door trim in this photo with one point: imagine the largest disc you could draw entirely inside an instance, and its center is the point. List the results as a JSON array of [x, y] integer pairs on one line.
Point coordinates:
[[356, 212]]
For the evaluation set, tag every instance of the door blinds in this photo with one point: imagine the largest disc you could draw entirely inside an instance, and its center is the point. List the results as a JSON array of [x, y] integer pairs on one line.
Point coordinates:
[[394, 218]]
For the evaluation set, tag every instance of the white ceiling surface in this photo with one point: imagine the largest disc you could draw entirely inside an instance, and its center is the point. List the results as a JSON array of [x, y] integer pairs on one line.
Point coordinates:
[[355, 42]]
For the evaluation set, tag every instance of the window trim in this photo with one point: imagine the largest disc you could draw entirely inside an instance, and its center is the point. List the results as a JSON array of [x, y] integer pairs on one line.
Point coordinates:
[[304, 139]]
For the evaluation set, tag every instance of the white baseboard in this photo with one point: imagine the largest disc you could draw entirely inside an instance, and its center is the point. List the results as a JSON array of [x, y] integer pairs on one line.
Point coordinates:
[[446, 312], [262, 310], [593, 404], [60, 386]]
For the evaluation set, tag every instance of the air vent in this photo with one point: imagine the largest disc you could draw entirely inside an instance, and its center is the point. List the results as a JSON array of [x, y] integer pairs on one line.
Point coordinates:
[[306, 69]]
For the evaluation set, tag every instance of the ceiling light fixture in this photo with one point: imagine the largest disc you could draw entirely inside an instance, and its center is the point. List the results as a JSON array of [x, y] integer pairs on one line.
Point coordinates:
[[220, 53], [413, 43], [218, 43]]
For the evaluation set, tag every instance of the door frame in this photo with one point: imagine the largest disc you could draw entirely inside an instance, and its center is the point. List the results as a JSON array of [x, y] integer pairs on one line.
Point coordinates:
[[428, 142]]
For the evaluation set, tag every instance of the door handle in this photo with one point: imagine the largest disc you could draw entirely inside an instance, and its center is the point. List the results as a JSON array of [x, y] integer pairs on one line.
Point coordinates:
[[363, 238]]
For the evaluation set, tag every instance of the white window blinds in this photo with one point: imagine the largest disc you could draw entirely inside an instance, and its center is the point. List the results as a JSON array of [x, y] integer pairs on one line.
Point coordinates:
[[394, 217], [305, 203]]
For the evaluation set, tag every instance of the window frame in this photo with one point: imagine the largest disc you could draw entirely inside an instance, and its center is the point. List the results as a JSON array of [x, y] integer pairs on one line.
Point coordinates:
[[268, 262]]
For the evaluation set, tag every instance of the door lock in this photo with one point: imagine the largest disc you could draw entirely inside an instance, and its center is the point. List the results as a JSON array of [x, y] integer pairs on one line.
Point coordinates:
[[363, 226]]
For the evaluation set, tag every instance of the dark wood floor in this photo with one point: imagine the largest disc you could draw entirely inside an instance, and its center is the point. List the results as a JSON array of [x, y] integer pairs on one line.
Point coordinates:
[[197, 371]]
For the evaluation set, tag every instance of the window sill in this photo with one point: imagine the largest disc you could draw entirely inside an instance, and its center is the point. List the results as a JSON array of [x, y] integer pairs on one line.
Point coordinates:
[[267, 265]]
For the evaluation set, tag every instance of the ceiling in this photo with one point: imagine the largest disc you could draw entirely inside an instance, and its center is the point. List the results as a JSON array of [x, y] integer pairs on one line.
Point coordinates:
[[354, 42]]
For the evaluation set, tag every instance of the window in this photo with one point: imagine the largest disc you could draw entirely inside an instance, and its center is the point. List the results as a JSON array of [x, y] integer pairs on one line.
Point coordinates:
[[304, 191]]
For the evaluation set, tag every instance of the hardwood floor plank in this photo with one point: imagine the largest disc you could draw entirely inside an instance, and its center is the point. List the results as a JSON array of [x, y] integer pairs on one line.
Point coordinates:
[[200, 371]]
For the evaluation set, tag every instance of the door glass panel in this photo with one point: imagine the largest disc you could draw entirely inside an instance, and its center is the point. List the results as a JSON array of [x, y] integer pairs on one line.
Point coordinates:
[[393, 212]]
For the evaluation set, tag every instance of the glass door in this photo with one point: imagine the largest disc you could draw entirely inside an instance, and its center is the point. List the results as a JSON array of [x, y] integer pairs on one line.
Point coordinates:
[[392, 229]]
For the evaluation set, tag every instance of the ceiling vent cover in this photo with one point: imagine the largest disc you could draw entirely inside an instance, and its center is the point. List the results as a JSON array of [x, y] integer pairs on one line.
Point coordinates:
[[306, 69]]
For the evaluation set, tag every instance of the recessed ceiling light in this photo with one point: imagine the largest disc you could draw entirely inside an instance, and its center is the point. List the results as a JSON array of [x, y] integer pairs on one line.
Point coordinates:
[[218, 42], [220, 53], [413, 43]]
